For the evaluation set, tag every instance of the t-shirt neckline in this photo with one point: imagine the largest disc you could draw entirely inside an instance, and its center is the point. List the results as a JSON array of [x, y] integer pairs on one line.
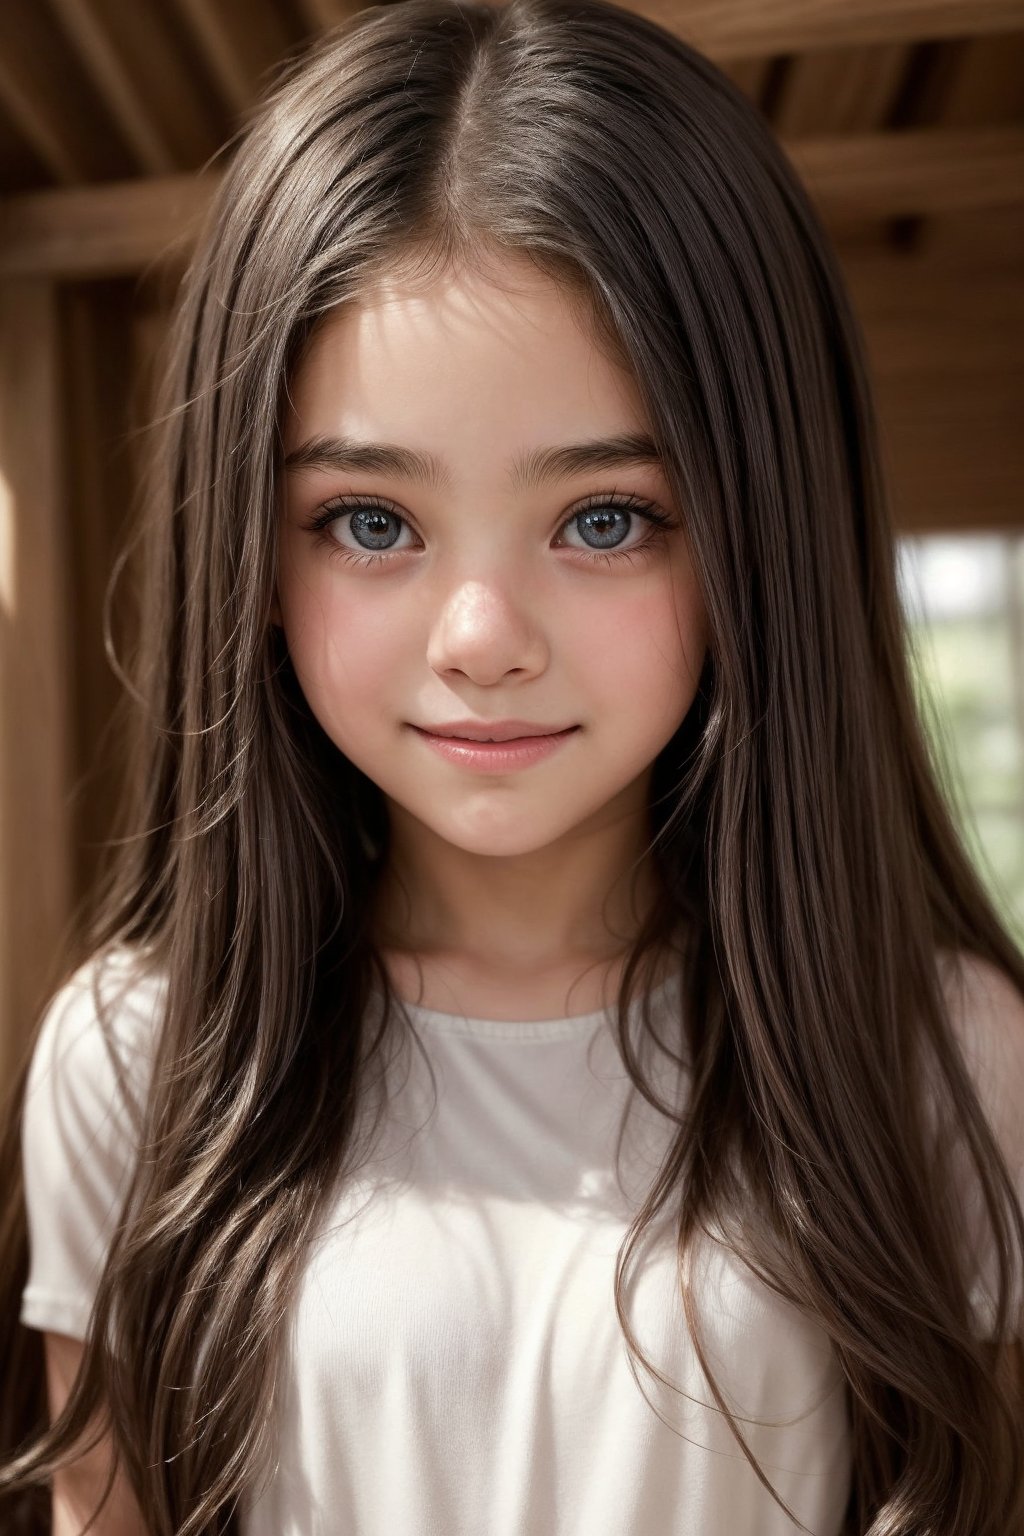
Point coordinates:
[[526, 1029]]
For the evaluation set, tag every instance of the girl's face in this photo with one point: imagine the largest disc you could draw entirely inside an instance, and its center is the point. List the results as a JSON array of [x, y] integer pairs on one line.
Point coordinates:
[[472, 589]]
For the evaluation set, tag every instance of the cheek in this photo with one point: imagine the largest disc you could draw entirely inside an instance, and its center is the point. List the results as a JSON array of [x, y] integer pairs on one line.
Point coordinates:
[[344, 652], [643, 651]]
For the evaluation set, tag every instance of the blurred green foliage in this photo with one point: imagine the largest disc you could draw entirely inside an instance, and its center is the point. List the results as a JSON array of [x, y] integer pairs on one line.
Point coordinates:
[[968, 674]]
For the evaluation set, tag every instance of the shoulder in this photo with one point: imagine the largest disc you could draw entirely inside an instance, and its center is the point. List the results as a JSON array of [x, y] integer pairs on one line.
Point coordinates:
[[95, 1042], [986, 1015], [80, 1126], [984, 1000]]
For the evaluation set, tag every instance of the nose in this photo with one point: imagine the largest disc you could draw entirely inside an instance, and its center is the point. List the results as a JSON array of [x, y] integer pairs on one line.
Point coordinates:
[[482, 631]]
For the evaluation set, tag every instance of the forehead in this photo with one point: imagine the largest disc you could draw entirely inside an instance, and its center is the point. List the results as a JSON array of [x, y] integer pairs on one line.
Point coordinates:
[[495, 355]]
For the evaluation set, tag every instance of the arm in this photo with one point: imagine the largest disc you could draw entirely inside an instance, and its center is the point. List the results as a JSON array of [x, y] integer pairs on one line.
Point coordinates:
[[77, 1488]]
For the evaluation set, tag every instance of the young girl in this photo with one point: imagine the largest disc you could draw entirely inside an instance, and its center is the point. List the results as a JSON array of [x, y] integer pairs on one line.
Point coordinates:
[[608, 1128]]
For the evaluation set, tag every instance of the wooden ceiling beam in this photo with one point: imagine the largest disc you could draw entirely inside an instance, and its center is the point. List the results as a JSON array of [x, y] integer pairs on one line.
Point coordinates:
[[168, 74], [750, 75], [839, 90], [123, 227], [49, 102], [35, 123], [741, 28], [319, 15], [241, 44], [106, 230], [912, 170], [219, 50], [944, 328], [738, 29], [124, 102]]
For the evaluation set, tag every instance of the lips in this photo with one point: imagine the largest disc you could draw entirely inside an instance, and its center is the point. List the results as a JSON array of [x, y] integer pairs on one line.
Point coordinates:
[[533, 735], [496, 731], [505, 741], [514, 754]]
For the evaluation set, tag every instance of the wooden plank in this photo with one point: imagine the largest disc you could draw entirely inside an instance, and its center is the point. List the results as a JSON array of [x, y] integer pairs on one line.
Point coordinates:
[[125, 101], [35, 841], [35, 123], [944, 328], [52, 104], [319, 15], [749, 74], [106, 230], [739, 28], [913, 170], [21, 169], [989, 85], [159, 58], [240, 43], [955, 454], [122, 227], [839, 90], [104, 404], [748, 28]]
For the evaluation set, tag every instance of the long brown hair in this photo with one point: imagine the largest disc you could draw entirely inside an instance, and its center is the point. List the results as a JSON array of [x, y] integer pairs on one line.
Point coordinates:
[[797, 821]]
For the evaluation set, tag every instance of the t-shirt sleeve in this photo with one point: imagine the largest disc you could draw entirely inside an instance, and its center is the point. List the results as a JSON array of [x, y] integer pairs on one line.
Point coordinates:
[[987, 1015], [79, 1133]]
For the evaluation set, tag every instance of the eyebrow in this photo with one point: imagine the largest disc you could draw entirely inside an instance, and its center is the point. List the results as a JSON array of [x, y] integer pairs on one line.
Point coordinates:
[[538, 467]]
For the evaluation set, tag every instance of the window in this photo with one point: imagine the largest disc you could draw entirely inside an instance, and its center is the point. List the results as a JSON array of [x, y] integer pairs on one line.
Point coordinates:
[[964, 601]]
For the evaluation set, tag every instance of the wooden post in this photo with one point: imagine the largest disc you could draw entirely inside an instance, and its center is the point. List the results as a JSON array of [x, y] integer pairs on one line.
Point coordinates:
[[35, 843]]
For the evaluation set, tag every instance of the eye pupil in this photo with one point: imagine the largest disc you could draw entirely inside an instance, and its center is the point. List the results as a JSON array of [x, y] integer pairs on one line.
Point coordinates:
[[599, 515], [365, 515]]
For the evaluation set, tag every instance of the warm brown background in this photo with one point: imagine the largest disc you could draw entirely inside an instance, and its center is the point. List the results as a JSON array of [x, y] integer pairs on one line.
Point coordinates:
[[905, 118]]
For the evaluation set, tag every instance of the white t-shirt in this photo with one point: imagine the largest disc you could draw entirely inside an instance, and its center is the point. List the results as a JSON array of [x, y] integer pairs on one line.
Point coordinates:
[[454, 1363]]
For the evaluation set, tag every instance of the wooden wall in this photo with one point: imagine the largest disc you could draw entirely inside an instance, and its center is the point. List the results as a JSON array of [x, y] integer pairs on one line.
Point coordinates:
[[76, 373]]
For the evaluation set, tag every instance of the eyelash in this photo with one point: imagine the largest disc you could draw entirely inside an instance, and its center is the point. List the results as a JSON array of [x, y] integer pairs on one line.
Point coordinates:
[[343, 506]]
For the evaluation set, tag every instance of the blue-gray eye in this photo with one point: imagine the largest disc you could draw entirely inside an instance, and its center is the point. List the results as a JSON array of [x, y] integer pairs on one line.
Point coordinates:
[[377, 524]]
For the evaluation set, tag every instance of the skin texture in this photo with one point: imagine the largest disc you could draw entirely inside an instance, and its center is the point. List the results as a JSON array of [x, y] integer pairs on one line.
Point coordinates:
[[489, 607], [78, 1488]]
